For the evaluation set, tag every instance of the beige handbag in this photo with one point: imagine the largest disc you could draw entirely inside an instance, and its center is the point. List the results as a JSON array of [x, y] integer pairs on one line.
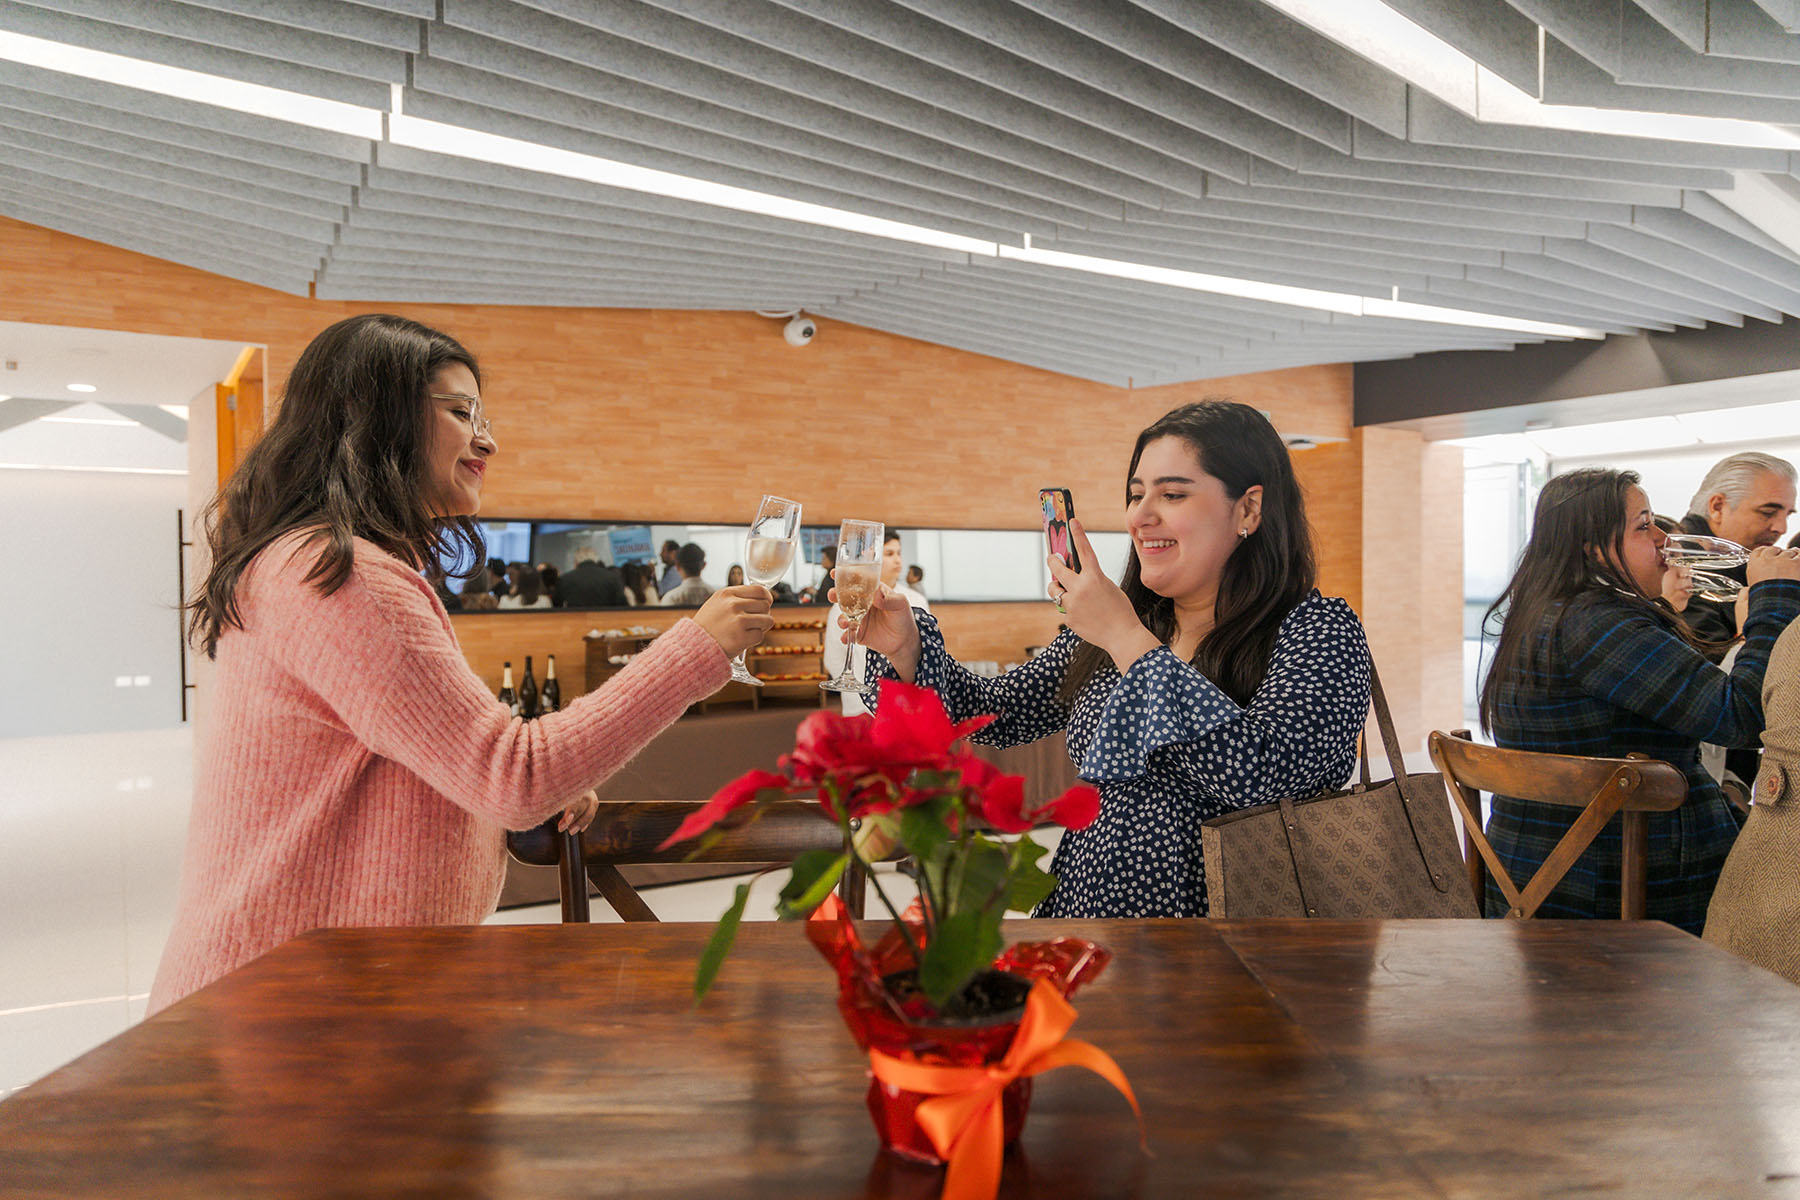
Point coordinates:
[[1376, 851]]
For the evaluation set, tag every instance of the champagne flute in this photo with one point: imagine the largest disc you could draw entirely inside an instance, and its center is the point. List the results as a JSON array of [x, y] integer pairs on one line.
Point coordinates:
[[1696, 550], [768, 552], [858, 579]]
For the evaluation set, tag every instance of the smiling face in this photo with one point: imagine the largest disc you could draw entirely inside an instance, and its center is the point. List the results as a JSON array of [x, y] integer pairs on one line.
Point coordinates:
[[455, 454], [1182, 523], [1640, 556]]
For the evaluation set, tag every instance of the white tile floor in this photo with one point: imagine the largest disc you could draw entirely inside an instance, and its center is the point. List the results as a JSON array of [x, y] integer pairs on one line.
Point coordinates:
[[91, 836]]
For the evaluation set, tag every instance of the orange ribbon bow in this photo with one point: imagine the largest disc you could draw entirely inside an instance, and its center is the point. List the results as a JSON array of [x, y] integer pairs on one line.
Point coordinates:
[[962, 1118]]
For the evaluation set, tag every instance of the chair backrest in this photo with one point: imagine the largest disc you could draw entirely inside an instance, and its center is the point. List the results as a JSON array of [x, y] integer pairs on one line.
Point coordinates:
[[630, 833], [1629, 787]]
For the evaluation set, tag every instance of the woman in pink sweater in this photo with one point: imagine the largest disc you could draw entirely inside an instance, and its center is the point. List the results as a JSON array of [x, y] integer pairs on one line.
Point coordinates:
[[355, 770]]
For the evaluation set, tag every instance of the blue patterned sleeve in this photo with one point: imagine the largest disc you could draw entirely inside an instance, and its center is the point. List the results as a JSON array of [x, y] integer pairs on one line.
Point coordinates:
[[1297, 737], [1629, 659], [1024, 698]]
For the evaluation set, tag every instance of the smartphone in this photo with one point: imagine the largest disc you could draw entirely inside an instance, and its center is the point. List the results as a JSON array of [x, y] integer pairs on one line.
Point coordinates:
[[1059, 510]]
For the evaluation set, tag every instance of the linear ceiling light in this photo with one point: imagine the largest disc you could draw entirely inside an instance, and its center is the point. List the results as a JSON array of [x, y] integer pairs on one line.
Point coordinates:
[[198, 86], [530, 156], [1248, 289], [1390, 39]]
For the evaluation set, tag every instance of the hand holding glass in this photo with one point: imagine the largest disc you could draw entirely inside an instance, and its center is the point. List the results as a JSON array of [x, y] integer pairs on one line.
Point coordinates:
[[768, 552], [1696, 550], [858, 577]]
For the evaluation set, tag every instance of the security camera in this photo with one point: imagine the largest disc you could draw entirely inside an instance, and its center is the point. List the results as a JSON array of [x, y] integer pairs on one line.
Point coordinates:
[[799, 331]]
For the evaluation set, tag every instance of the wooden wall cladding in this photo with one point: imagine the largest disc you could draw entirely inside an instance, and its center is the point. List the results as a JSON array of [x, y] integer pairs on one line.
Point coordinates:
[[622, 413]]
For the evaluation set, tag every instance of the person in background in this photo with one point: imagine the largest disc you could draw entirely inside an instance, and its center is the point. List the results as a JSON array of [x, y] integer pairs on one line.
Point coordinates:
[[590, 584], [1214, 678], [552, 579], [640, 584], [497, 583], [835, 650], [1746, 498], [478, 593], [827, 564], [356, 770], [915, 578], [527, 589], [1587, 664], [671, 575], [690, 560], [734, 576]]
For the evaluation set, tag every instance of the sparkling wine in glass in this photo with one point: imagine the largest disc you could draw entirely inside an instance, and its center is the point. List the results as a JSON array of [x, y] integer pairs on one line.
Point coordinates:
[[768, 551], [1698, 550], [858, 578]]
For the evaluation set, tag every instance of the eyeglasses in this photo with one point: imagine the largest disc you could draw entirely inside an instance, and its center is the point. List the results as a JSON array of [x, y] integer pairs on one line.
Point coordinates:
[[480, 425]]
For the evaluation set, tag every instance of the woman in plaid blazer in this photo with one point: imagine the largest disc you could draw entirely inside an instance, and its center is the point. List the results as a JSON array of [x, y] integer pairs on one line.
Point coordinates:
[[1587, 664]]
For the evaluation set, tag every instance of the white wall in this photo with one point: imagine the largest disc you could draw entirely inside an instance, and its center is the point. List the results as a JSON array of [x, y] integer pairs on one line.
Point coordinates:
[[1671, 476], [90, 596]]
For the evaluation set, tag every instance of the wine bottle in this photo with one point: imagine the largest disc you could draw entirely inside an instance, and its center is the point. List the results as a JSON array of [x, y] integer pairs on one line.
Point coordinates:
[[507, 696], [552, 700], [528, 693]]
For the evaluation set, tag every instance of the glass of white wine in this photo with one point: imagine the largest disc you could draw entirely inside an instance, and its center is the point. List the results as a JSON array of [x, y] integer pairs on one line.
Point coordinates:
[[858, 577], [768, 553]]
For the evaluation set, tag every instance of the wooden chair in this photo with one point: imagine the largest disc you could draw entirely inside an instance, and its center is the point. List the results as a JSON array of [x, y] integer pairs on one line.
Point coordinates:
[[626, 834], [1630, 787]]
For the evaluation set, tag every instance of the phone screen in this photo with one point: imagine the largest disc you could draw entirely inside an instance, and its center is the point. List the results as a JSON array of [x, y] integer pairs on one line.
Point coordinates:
[[1058, 507]]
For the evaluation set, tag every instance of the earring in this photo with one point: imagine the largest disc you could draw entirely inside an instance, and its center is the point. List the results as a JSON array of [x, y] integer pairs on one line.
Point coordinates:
[[1242, 534]]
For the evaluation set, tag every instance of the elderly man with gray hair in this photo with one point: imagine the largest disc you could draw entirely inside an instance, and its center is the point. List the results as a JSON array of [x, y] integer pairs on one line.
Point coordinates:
[[1746, 498]]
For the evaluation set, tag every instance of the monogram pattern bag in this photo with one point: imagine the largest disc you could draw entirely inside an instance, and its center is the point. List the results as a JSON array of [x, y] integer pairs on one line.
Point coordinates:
[[1376, 851]]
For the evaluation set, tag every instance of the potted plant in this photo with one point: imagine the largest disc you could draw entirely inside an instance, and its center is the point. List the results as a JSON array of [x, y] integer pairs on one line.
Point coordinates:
[[940, 992]]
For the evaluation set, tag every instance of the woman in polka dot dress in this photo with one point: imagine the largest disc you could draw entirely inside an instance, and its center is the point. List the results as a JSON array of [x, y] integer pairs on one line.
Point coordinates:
[[1215, 678]]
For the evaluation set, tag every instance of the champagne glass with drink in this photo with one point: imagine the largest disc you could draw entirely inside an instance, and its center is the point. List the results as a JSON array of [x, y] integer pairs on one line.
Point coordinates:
[[858, 579], [768, 552]]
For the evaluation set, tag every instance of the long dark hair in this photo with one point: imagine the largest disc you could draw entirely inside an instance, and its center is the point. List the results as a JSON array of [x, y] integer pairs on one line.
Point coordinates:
[[1577, 514], [1267, 574], [344, 458]]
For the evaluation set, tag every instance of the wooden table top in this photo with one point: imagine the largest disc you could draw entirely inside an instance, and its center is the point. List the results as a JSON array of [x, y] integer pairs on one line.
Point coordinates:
[[1317, 1058]]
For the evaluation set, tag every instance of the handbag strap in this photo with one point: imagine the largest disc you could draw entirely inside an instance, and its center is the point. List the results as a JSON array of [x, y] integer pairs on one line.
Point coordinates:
[[1409, 797], [1298, 855]]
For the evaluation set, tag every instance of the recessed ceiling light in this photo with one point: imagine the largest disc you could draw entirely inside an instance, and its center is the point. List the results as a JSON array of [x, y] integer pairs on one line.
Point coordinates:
[[83, 387]]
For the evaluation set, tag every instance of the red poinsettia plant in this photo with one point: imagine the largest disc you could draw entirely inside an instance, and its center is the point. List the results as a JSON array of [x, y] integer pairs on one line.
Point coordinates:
[[903, 777]]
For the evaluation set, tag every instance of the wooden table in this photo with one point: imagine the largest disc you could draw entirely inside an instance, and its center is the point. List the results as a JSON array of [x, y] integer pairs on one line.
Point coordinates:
[[1452, 1058]]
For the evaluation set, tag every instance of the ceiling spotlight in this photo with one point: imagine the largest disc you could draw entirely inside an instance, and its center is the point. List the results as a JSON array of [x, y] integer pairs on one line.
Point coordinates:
[[83, 387]]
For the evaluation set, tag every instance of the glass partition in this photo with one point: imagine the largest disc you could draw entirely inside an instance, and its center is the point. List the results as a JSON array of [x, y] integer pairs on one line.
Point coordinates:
[[959, 565]]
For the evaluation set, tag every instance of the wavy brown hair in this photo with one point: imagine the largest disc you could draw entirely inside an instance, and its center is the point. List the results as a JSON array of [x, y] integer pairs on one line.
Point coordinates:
[[1266, 575], [345, 458]]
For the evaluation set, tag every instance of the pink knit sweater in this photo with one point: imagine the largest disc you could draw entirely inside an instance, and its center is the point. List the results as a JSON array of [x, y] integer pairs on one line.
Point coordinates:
[[357, 772]]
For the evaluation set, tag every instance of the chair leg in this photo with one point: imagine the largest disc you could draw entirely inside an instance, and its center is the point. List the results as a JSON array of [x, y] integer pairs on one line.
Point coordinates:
[[1634, 855], [853, 888], [617, 892], [573, 877]]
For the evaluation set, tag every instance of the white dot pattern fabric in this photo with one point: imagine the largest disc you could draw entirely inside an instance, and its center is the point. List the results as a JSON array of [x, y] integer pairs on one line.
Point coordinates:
[[1168, 749]]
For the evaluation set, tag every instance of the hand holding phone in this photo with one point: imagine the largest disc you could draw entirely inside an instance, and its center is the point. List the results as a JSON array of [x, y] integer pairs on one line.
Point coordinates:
[[1059, 508]]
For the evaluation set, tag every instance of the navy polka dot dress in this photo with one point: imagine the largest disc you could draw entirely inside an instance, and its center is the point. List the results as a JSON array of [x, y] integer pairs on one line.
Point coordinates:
[[1168, 749]]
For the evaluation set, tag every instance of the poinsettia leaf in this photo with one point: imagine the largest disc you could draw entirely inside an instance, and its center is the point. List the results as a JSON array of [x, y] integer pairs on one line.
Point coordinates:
[[922, 829], [1027, 887], [964, 943], [719, 945], [983, 877], [1027, 851], [815, 873]]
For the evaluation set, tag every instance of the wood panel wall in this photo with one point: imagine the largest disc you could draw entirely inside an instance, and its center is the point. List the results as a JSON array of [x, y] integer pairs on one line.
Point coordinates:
[[693, 415]]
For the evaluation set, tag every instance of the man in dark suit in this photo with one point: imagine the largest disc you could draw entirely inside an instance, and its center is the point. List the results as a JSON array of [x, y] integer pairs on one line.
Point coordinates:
[[590, 584]]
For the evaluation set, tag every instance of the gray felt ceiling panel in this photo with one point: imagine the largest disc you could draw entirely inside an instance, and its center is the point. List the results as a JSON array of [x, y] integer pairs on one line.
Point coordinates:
[[1222, 138]]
